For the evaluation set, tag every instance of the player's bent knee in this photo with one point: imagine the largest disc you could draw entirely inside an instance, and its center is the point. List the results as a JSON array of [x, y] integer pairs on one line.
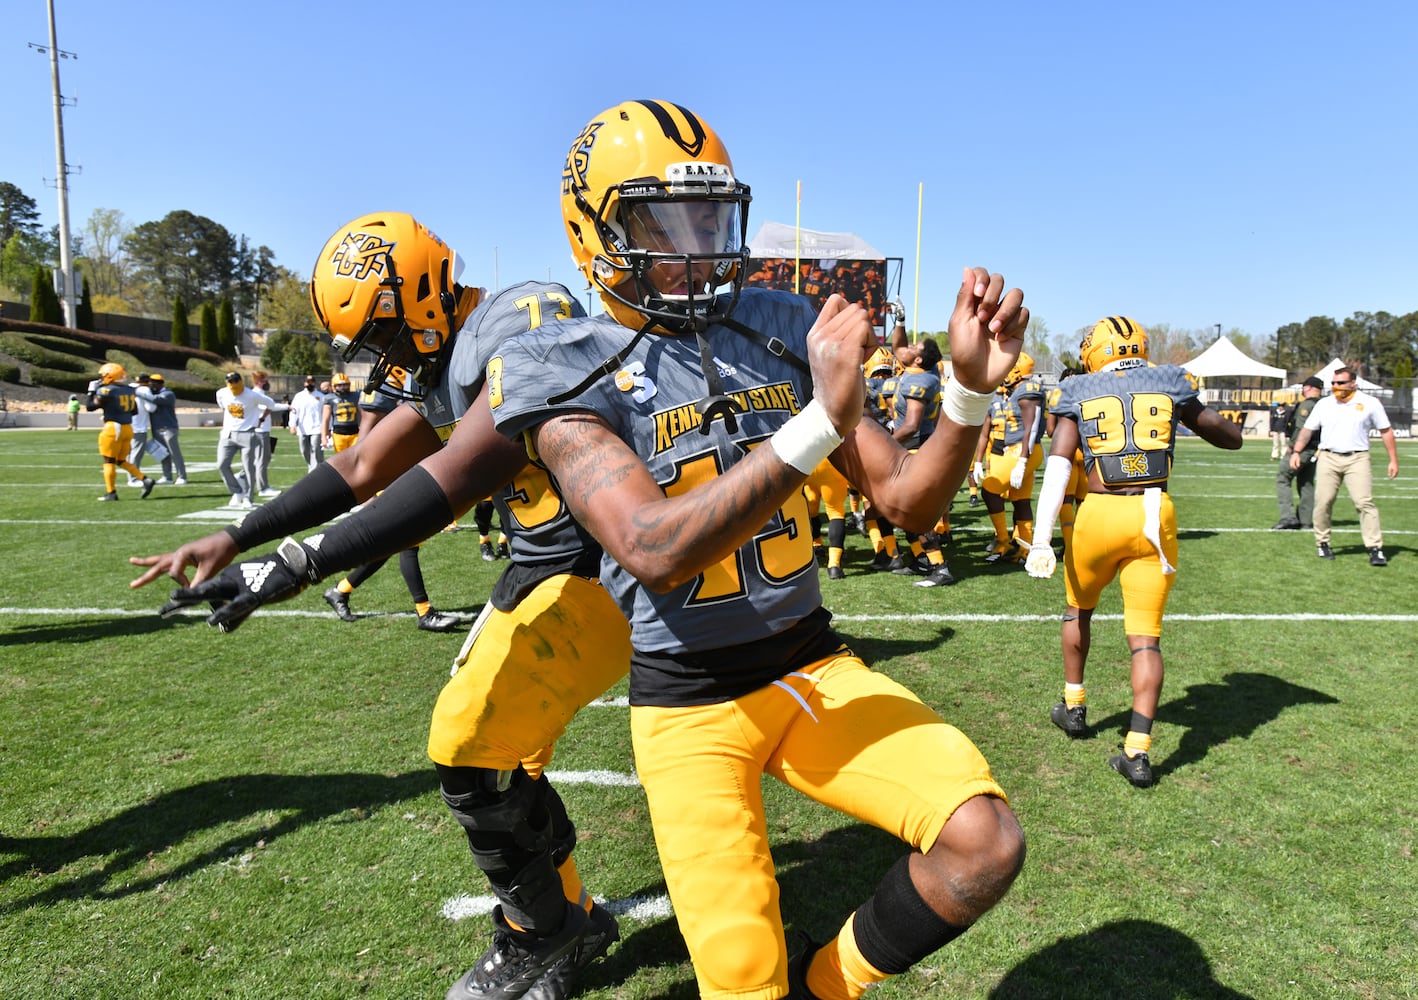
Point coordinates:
[[984, 845]]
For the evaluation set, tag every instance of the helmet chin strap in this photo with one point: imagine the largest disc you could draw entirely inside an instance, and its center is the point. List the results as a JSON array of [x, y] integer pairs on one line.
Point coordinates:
[[716, 404]]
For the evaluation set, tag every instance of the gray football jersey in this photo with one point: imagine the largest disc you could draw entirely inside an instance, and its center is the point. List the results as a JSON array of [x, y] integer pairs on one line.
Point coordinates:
[[1127, 420], [544, 536], [768, 585]]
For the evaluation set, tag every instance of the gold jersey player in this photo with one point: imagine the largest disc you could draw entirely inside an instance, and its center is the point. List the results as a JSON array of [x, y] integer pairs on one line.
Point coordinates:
[[1123, 414], [112, 394], [696, 497]]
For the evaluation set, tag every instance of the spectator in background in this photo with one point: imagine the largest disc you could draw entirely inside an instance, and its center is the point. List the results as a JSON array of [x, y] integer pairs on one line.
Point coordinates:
[[73, 409], [142, 423], [1287, 479], [265, 447], [1342, 422], [242, 409], [1279, 418], [164, 421], [305, 412]]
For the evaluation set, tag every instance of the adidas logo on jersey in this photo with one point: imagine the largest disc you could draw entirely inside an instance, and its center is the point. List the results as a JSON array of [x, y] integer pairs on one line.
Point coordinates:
[[255, 574]]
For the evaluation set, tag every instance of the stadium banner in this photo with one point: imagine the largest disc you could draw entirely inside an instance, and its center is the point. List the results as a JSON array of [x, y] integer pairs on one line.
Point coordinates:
[[817, 264]]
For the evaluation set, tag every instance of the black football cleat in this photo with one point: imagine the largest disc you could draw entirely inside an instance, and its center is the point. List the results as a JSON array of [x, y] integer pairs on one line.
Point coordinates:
[[110, 497], [835, 573], [437, 621], [560, 980], [939, 576], [1137, 770], [880, 562], [148, 483], [485, 549], [340, 601], [1377, 557], [516, 963], [1073, 721]]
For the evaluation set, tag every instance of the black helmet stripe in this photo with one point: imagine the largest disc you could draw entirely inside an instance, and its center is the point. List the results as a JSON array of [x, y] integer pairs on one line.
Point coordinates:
[[672, 131]]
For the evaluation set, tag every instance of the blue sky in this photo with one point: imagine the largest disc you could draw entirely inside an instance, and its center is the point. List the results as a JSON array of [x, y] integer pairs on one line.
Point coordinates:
[[1247, 164]]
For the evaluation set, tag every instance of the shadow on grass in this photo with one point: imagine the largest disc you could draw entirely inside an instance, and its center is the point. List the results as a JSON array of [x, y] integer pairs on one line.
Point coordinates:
[[116, 850], [1128, 958], [1212, 714], [95, 630]]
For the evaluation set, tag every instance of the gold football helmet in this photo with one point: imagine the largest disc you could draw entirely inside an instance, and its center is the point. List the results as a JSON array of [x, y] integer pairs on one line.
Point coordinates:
[[657, 222], [112, 372], [340, 382], [387, 284], [1023, 368], [1114, 339]]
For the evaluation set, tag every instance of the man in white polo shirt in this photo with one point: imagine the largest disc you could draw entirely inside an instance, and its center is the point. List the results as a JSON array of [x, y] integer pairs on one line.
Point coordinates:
[[242, 409], [1343, 422]]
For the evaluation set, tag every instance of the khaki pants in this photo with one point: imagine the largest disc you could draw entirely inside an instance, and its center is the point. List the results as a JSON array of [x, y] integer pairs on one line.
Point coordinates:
[[1357, 475]]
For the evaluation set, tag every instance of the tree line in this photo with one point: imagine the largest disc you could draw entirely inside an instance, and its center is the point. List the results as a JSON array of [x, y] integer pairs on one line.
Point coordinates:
[[181, 261]]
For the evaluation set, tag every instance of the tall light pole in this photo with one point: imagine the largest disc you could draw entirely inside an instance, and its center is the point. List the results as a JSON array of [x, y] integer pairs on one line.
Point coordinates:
[[66, 257]]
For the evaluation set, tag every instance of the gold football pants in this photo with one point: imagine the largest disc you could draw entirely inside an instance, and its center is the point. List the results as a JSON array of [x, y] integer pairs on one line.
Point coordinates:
[[1108, 542], [836, 731], [1001, 467], [523, 674]]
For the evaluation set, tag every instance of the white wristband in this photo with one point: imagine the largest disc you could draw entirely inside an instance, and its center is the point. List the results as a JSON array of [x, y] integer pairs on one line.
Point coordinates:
[[806, 439], [965, 406]]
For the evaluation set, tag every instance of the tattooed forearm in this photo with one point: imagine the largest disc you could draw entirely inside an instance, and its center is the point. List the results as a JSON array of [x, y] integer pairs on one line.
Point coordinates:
[[664, 540]]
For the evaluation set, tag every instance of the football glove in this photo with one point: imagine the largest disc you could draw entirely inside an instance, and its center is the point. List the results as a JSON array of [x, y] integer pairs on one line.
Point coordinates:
[[979, 473], [243, 587], [93, 386], [1041, 561], [1016, 475], [899, 309]]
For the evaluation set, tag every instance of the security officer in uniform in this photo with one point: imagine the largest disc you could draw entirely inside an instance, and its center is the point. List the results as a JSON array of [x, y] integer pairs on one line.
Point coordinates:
[[1288, 479]]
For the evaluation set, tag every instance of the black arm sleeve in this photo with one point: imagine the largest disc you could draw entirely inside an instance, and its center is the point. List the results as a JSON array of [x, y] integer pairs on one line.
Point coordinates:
[[319, 496], [412, 509]]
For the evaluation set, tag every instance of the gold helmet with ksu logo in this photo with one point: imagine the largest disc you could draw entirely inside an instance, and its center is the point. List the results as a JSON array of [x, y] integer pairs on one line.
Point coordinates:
[[112, 372], [1023, 368], [385, 283], [1112, 340], [656, 219]]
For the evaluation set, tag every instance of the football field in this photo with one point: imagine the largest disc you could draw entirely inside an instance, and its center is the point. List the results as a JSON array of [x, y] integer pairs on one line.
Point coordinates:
[[190, 814]]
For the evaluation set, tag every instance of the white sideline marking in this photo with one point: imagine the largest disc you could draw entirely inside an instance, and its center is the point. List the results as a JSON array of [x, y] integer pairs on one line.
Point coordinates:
[[646, 909], [605, 779], [622, 702]]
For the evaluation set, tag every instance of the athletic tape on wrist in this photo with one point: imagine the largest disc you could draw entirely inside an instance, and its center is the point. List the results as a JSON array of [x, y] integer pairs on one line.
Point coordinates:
[[964, 406], [806, 439]]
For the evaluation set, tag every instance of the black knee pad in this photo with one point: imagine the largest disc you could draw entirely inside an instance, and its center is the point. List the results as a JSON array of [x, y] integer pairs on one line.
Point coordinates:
[[519, 834]]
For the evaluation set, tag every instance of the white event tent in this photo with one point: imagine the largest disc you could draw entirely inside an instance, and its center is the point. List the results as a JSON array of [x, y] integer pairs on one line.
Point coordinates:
[[1225, 358], [1326, 375]]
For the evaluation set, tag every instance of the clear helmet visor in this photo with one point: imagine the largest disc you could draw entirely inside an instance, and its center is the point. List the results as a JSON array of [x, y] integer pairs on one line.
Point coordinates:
[[683, 228]]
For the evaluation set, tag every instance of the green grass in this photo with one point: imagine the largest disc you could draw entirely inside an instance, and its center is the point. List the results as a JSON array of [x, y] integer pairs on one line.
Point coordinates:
[[185, 813]]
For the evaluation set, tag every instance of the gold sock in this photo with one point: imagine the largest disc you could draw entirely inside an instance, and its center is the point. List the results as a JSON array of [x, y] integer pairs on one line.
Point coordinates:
[[1075, 695], [344, 586], [838, 970], [1137, 743], [1001, 532], [572, 886], [1024, 532], [110, 477], [834, 555], [422, 607]]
